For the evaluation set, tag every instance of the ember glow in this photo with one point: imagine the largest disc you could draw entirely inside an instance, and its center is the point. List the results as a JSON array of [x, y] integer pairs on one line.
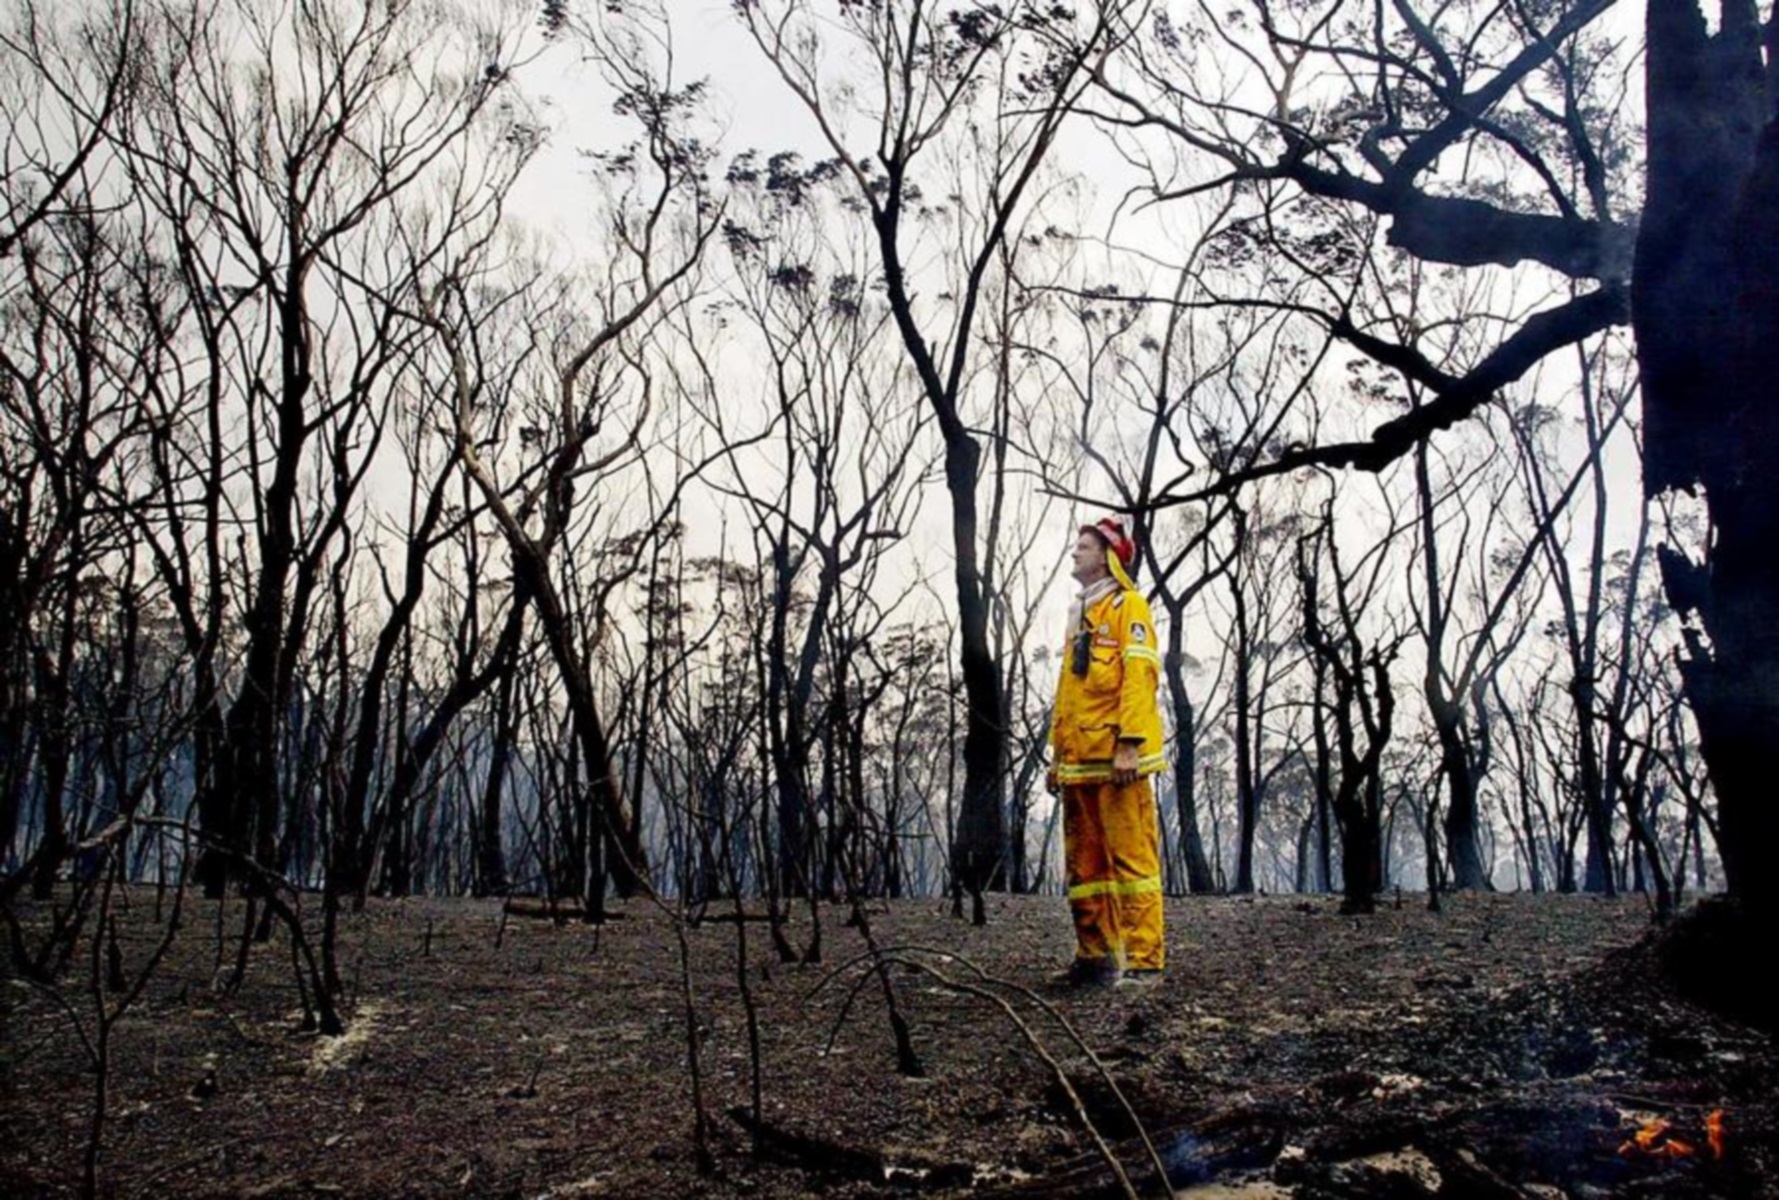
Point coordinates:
[[1656, 1139], [1714, 1132]]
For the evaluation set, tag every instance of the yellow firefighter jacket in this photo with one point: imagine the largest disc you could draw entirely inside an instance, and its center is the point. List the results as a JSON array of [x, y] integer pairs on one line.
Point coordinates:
[[1115, 698]]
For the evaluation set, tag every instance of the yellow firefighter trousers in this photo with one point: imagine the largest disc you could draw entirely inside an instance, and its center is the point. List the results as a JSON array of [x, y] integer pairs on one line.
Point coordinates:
[[1114, 857]]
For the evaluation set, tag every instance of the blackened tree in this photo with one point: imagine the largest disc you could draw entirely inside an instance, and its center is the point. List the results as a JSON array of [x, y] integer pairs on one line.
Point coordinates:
[[994, 85], [1522, 96]]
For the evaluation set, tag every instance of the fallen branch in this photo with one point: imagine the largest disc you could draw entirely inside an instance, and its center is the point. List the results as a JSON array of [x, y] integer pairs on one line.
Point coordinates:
[[900, 954], [1194, 1153]]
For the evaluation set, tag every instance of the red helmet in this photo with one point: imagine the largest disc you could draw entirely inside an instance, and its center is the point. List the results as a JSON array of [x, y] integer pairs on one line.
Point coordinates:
[[1115, 532]]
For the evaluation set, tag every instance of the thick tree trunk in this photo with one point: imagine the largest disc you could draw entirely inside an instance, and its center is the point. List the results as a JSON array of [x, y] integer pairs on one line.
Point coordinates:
[[1359, 802], [1462, 822], [1324, 808], [792, 860], [1361, 848], [1710, 379], [244, 803], [491, 869], [1737, 698], [979, 841], [1246, 791], [1463, 818], [978, 853], [245, 792]]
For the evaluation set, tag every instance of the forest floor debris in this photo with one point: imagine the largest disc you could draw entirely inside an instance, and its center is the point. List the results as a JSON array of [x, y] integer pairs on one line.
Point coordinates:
[[1509, 1046]]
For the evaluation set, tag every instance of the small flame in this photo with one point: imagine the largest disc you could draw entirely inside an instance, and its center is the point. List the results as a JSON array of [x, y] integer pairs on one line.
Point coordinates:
[[1714, 1132], [1655, 1140]]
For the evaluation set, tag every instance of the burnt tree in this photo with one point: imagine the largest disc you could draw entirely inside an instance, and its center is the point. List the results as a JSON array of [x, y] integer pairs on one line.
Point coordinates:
[[1353, 694], [1694, 273], [948, 77]]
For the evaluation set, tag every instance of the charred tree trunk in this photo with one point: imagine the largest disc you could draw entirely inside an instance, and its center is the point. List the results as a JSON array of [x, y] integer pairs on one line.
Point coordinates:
[[240, 813], [787, 739], [617, 833], [1705, 307], [1247, 792], [1362, 708], [491, 870], [15, 672], [1322, 777], [978, 851], [1462, 820], [1199, 879], [886, 189], [246, 797]]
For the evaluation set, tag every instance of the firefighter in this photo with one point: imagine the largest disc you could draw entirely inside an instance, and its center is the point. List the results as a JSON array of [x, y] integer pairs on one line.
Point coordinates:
[[1105, 735]]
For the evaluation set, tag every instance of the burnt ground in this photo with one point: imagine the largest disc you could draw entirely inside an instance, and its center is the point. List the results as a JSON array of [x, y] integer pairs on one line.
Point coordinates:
[[1505, 1047]]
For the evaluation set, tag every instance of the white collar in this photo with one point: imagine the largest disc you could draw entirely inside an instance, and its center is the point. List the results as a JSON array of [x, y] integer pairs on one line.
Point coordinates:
[[1090, 595]]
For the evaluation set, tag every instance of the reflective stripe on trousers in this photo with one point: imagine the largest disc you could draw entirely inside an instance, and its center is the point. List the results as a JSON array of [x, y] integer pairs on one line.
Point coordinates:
[[1100, 770], [1113, 846]]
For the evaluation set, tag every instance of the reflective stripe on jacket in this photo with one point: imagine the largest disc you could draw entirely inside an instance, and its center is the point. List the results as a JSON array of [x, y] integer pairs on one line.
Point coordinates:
[[1116, 698]]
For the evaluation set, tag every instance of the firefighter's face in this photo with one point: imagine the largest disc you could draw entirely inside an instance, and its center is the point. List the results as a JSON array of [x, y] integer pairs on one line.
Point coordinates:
[[1090, 558]]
